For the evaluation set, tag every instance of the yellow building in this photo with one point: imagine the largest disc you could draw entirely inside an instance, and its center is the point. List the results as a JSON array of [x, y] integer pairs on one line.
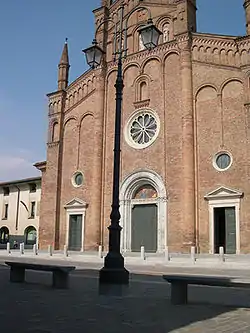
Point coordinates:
[[19, 212]]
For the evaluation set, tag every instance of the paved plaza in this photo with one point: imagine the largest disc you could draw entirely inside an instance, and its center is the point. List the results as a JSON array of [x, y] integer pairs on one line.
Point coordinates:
[[143, 307]]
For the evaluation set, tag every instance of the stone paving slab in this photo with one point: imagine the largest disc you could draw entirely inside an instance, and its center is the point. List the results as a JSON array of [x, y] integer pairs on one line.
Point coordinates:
[[144, 307]]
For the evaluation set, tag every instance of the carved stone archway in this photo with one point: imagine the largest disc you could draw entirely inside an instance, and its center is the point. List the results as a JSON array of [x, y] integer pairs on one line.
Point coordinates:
[[129, 186]]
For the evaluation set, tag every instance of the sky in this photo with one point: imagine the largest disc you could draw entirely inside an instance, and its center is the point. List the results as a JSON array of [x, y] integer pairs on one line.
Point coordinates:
[[32, 34]]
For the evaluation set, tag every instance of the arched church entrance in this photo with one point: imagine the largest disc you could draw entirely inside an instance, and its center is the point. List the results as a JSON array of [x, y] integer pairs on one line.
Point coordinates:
[[143, 207], [144, 219]]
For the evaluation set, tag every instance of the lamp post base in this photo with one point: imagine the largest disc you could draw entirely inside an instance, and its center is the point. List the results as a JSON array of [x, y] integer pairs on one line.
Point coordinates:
[[114, 271]]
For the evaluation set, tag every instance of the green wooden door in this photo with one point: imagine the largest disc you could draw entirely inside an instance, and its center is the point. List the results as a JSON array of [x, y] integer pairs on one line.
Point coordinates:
[[219, 229], [144, 228], [75, 233], [230, 230]]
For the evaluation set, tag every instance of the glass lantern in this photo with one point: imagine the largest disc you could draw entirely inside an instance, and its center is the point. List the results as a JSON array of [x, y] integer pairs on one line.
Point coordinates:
[[93, 55], [150, 35]]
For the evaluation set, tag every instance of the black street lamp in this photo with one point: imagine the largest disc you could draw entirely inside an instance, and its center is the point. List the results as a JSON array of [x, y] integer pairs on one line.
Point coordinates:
[[114, 271], [150, 35], [94, 55]]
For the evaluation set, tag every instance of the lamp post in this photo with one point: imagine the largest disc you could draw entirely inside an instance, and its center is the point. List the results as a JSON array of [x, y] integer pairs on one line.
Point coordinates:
[[114, 271]]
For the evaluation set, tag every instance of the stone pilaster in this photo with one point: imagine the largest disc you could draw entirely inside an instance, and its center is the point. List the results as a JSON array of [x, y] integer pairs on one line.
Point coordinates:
[[96, 197], [188, 202], [49, 225], [185, 17], [59, 173]]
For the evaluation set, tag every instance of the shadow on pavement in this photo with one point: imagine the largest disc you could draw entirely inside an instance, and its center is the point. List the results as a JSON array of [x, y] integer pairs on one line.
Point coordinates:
[[143, 307]]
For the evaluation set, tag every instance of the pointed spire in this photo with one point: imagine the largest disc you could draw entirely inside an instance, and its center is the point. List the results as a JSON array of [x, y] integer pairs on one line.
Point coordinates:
[[247, 14], [65, 54], [63, 68]]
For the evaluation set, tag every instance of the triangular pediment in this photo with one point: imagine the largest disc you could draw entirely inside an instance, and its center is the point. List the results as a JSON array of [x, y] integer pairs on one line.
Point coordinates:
[[75, 203], [223, 192]]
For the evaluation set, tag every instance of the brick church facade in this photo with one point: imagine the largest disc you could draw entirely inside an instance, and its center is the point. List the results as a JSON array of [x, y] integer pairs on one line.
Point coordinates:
[[185, 149]]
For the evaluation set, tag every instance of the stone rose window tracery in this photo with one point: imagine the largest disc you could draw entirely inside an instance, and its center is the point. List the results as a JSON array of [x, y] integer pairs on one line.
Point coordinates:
[[142, 129]]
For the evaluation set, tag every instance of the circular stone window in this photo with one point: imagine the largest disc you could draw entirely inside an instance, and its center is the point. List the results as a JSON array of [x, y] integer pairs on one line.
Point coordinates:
[[222, 161], [142, 129], [77, 179]]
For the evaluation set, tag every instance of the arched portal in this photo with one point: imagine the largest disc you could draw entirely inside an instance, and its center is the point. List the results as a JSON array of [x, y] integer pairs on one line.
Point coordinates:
[[30, 235], [143, 207], [4, 235]]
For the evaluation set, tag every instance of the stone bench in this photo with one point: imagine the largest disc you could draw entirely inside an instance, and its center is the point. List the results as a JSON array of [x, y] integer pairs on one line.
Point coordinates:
[[179, 284], [60, 273]]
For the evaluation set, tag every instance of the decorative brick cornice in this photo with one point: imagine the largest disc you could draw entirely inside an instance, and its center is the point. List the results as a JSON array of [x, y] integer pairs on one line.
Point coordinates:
[[68, 109], [142, 55], [214, 40], [221, 40], [41, 165], [52, 144], [207, 48], [221, 50], [80, 79], [56, 94], [246, 3], [243, 42], [142, 104], [75, 92]]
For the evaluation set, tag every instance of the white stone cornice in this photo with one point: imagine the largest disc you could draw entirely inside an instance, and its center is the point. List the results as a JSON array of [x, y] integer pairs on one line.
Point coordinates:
[[223, 192], [76, 203]]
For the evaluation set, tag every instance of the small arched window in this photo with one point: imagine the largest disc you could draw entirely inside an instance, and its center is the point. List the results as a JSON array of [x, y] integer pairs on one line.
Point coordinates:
[[30, 235], [166, 32], [4, 235], [55, 132], [248, 81], [145, 192], [143, 91]]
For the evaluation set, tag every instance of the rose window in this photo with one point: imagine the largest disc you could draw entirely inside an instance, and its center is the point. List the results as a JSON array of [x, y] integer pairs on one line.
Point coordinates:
[[143, 128]]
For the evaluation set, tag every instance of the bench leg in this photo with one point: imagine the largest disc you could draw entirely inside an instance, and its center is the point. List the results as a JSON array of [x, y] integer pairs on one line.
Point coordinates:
[[179, 293], [60, 280], [17, 274]]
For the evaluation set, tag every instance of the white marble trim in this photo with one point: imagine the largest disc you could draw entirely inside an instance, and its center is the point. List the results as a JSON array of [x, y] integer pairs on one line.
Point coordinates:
[[130, 184]]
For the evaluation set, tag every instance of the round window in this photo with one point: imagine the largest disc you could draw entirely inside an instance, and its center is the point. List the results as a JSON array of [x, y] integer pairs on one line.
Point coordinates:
[[77, 179], [222, 161], [142, 129]]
